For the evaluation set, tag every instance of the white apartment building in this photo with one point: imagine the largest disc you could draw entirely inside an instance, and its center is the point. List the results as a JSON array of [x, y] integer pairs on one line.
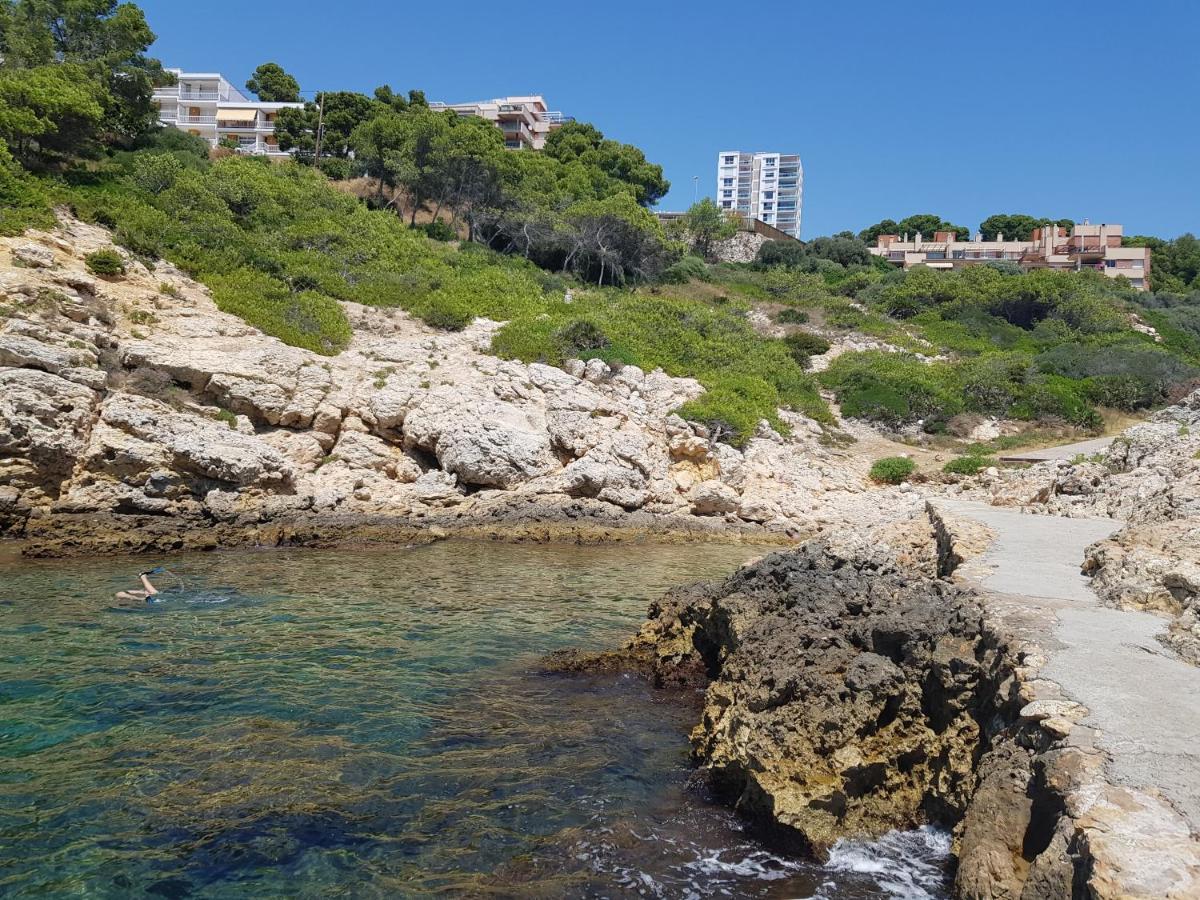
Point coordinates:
[[764, 186], [525, 121], [207, 105]]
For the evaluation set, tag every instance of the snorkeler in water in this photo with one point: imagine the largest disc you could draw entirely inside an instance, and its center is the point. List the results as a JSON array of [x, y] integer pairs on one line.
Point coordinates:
[[150, 589]]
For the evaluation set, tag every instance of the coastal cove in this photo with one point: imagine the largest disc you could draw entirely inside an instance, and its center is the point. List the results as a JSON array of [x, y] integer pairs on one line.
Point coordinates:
[[377, 721]]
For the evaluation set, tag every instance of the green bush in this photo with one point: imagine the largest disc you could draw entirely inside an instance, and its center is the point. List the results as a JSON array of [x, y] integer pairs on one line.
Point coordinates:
[[968, 465], [791, 316], [23, 202], [439, 231], [105, 262], [893, 388], [686, 269], [155, 172], [892, 469], [804, 344]]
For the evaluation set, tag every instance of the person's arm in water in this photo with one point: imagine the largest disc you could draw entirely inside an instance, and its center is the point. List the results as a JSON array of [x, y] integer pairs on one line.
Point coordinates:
[[151, 590]]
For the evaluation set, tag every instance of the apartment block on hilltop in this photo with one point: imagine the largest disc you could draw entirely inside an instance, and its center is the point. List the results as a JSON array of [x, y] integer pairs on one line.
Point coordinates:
[[207, 105], [768, 187], [1087, 246], [525, 121]]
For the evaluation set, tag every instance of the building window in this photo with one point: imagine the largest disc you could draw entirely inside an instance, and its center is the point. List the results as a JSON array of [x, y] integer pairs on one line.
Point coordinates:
[[727, 181], [1139, 264], [767, 206], [771, 161], [727, 194], [729, 160], [770, 195], [1111, 263], [725, 204]]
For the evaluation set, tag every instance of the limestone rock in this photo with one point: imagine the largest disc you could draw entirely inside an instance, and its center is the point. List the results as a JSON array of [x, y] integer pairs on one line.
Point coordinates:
[[34, 256]]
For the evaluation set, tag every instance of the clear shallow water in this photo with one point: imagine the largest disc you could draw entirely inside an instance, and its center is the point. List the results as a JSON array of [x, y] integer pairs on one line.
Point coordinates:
[[372, 724]]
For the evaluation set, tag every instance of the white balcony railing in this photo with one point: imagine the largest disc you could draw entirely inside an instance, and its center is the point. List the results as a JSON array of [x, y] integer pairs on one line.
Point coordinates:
[[196, 120]]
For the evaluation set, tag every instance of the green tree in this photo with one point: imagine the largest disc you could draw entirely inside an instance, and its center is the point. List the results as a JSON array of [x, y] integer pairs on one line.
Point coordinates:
[[272, 84], [623, 163], [1174, 264], [108, 39], [50, 113], [707, 224], [927, 224], [871, 235], [1016, 226], [398, 102], [337, 112], [844, 249]]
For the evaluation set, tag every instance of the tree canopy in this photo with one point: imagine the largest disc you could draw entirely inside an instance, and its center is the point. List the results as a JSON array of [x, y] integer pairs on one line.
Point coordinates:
[[925, 223], [1016, 226], [66, 59], [271, 84], [625, 163]]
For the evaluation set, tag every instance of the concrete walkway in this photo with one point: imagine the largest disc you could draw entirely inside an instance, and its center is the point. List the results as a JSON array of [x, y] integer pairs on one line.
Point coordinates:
[[1142, 700], [1064, 451]]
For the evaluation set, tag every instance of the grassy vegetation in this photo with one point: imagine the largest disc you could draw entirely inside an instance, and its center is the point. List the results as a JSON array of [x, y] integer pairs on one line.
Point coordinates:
[[968, 465], [280, 247], [748, 377]]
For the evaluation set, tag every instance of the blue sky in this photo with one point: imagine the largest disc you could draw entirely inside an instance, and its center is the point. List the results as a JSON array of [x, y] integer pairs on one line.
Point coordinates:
[[1079, 110]]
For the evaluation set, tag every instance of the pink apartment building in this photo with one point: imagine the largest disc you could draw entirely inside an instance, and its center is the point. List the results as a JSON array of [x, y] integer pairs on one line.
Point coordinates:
[[1087, 246]]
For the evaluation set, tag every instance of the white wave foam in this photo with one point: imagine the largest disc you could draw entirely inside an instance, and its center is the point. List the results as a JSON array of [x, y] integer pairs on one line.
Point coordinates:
[[907, 864]]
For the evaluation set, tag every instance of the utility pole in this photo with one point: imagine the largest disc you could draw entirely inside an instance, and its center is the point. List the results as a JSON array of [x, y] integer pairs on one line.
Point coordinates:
[[695, 189], [320, 126]]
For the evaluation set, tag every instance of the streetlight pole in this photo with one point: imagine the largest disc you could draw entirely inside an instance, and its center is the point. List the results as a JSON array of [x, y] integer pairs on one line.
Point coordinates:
[[320, 125], [695, 189]]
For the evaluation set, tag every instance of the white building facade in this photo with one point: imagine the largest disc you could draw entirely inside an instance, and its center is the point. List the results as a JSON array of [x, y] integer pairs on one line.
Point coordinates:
[[207, 105], [525, 121], [764, 186]]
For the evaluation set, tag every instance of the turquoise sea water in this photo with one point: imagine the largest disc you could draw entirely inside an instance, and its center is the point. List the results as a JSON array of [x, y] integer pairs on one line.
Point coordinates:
[[365, 724]]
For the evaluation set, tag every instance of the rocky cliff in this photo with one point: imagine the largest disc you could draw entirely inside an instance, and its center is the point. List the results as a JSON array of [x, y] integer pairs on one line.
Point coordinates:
[[850, 690], [135, 415]]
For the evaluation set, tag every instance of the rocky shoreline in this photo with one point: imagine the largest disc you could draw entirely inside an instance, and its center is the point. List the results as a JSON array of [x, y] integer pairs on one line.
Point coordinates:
[[851, 687]]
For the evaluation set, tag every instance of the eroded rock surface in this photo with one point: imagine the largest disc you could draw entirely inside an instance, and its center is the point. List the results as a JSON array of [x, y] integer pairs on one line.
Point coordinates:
[[133, 403]]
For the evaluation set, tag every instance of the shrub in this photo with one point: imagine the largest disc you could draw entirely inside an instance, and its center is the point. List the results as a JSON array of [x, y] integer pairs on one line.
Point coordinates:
[[968, 465], [893, 388], [439, 231], [791, 316], [155, 172], [336, 168], [780, 253], [106, 263], [892, 469], [807, 343], [686, 269], [580, 338], [23, 202]]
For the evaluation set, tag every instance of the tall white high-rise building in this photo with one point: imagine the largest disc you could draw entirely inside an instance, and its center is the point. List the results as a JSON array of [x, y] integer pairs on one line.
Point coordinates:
[[764, 186]]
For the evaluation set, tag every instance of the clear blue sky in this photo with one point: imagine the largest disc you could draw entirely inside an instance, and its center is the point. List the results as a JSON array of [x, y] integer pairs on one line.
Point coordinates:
[[1056, 108]]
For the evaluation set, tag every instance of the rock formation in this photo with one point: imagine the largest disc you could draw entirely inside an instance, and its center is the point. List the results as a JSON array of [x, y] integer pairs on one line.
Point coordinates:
[[135, 415]]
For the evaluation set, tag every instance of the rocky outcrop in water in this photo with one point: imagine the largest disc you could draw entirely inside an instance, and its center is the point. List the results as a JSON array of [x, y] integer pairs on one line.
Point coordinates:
[[850, 690], [135, 415]]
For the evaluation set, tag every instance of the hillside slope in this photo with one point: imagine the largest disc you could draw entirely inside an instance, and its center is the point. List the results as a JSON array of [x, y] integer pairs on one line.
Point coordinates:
[[137, 415]]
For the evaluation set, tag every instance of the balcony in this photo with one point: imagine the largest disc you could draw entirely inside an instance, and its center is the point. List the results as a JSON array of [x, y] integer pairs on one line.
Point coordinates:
[[196, 120], [200, 95]]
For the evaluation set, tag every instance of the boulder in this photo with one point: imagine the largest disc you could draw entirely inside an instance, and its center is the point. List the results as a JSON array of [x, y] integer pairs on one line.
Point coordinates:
[[713, 498], [34, 255]]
